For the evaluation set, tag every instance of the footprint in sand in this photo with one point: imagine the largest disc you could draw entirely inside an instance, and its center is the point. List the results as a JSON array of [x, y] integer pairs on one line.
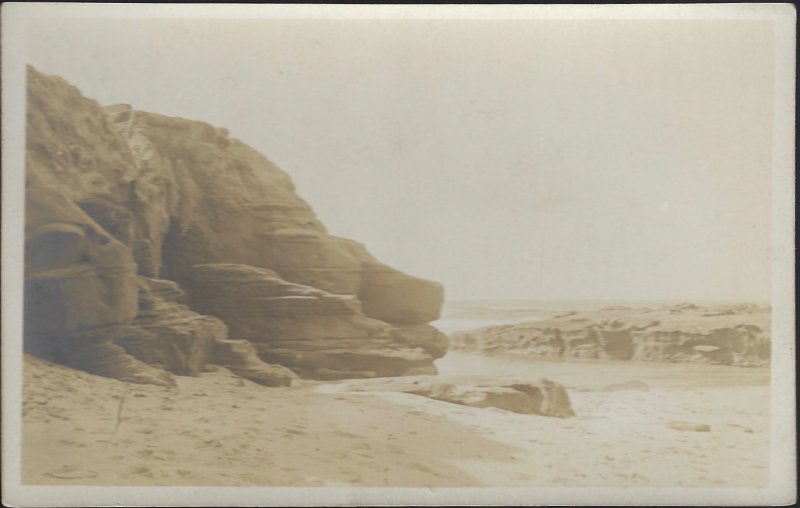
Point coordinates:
[[143, 471], [68, 472], [423, 468], [56, 413], [67, 442], [346, 434], [355, 479]]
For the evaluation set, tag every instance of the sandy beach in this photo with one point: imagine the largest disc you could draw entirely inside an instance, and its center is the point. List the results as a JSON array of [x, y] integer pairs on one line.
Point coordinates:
[[395, 255], [218, 429]]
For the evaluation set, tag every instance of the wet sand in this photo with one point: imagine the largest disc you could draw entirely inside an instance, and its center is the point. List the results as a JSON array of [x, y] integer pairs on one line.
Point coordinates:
[[217, 430]]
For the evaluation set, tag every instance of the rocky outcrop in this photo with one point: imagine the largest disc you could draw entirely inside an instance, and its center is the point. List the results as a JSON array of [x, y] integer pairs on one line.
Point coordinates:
[[80, 290], [544, 397], [425, 337], [167, 334], [241, 358], [540, 397], [315, 333], [394, 297], [725, 335], [175, 193]]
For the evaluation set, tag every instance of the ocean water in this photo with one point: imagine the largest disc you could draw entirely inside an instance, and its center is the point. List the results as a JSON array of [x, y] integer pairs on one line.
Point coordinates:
[[450, 325], [469, 315]]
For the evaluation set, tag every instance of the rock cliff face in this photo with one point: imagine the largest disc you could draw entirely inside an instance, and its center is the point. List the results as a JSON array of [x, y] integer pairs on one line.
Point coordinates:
[[80, 291], [185, 207], [725, 335], [317, 334], [168, 334]]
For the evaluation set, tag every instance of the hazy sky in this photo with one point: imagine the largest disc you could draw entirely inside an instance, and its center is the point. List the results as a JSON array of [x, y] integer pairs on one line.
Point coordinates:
[[506, 159]]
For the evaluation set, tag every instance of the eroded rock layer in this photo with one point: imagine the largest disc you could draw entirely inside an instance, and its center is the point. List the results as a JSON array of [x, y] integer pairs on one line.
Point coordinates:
[[168, 334], [163, 195], [80, 290], [723, 334], [315, 333]]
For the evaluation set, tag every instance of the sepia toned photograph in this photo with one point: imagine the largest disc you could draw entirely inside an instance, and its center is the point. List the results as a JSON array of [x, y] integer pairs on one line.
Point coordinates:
[[351, 255]]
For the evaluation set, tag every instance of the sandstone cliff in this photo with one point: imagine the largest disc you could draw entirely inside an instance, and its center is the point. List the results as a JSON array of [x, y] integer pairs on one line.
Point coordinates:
[[165, 238]]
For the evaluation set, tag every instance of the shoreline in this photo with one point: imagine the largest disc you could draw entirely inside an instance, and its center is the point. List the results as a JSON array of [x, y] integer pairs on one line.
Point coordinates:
[[217, 429]]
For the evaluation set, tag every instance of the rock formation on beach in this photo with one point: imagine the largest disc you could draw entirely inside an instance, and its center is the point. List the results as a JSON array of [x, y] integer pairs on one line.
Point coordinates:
[[316, 333], [156, 245], [730, 334], [80, 290], [541, 396]]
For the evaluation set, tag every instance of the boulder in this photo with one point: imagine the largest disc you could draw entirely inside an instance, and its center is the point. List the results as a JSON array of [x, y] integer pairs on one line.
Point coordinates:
[[541, 396]]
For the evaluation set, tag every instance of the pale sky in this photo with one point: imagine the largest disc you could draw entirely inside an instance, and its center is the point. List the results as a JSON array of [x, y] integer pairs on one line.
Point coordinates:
[[505, 159]]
